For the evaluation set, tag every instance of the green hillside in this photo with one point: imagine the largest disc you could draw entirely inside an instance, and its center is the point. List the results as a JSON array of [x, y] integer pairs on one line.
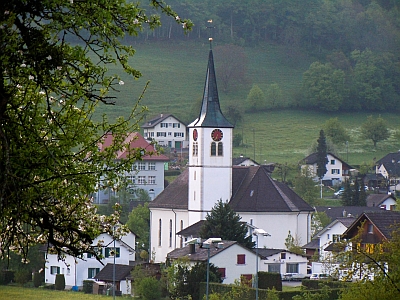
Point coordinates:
[[177, 72]]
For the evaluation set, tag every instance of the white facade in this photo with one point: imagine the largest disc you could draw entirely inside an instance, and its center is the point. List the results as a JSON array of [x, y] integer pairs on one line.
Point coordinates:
[[393, 181], [210, 173], [278, 225], [167, 131], [77, 270], [284, 262]]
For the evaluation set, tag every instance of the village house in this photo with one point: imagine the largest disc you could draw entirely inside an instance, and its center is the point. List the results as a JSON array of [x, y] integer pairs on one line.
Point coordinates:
[[389, 168]]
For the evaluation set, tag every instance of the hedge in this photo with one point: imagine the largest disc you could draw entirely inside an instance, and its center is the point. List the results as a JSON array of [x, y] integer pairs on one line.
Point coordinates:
[[60, 282], [6, 277], [267, 280], [88, 286]]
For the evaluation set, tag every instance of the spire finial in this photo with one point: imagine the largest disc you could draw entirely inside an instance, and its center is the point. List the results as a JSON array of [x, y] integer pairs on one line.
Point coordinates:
[[210, 27]]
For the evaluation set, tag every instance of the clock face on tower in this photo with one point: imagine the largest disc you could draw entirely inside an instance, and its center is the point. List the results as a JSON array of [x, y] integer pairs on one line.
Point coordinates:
[[217, 135], [195, 134]]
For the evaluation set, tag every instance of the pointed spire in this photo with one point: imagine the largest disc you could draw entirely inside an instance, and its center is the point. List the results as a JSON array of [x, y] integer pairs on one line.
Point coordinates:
[[210, 114]]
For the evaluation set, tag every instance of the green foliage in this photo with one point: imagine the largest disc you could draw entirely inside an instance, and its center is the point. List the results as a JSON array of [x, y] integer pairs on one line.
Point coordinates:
[[223, 222], [323, 87], [6, 276], [273, 96], [139, 223], [50, 89], [319, 220], [292, 244], [375, 129], [237, 140], [322, 158], [23, 276], [59, 284], [149, 288], [335, 131], [38, 279], [305, 187], [255, 99], [234, 114], [272, 281], [88, 286]]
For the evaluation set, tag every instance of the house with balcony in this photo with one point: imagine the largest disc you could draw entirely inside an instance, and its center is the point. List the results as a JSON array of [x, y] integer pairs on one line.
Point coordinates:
[[337, 169], [167, 130], [76, 270], [146, 174]]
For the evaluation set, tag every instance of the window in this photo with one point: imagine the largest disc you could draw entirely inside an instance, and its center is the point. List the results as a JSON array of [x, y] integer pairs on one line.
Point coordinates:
[[170, 233], [220, 149], [54, 270], [333, 161], [283, 255], [246, 279], [141, 180], [335, 171], [169, 133], [195, 149], [152, 166], [97, 250], [274, 268], [177, 125], [178, 134], [131, 179], [241, 259], [151, 134], [336, 238], [164, 134], [370, 228], [141, 166], [93, 272], [222, 272], [292, 268], [327, 236], [109, 252], [164, 125], [151, 180], [213, 149], [159, 232]]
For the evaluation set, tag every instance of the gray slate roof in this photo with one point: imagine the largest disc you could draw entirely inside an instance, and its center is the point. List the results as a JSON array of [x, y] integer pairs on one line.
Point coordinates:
[[313, 158], [121, 272], [200, 254], [334, 212], [158, 119], [210, 114], [377, 199], [266, 252], [253, 190]]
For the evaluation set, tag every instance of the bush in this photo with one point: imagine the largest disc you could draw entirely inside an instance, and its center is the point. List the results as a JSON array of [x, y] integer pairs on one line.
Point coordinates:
[[149, 288], [60, 282], [88, 286], [268, 280], [23, 276], [6, 276], [38, 279]]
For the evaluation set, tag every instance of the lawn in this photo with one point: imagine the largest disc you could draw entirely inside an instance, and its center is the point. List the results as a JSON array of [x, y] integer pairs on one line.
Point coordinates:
[[19, 293], [176, 72]]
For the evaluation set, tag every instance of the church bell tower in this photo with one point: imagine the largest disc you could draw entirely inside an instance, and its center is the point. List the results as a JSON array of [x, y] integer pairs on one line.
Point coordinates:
[[210, 152]]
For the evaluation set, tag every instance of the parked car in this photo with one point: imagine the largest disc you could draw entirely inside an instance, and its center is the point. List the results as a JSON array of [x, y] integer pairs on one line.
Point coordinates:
[[319, 276], [338, 193], [293, 276]]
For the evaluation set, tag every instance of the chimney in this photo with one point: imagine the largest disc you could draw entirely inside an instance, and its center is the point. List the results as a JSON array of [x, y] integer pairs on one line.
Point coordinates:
[[192, 248], [344, 213]]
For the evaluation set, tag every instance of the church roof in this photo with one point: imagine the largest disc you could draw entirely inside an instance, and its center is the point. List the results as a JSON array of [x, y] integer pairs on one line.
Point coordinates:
[[253, 190], [210, 113]]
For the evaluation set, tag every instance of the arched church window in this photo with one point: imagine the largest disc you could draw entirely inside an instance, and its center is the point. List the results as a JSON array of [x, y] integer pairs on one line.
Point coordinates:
[[170, 233], [220, 149], [195, 149], [213, 149]]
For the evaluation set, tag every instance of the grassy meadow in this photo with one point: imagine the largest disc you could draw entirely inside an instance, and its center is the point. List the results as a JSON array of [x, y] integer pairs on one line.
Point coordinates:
[[176, 72]]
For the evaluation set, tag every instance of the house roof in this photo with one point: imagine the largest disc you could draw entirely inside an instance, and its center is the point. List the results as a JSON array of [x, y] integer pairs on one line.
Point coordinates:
[[134, 140], [383, 220], [192, 230], [253, 190], [390, 157], [158, 119], [313, 244], [210, 113], [266, 252], [334, 212], [313, 158], [377, 199], [200, 254], [121, 272], [236, 161], [346, 221]]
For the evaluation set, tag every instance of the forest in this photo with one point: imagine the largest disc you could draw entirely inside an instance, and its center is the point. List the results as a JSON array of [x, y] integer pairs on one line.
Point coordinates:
[[355, 44]]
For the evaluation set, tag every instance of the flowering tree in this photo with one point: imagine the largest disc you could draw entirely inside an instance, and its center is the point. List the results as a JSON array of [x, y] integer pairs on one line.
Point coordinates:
[[49, 90]]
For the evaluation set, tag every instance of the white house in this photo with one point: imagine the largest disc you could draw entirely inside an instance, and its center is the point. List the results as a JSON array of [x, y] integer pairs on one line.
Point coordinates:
[[337, 170], [389, 167], [232, 259], [261, 201], [77, 270], [383, 201], [146, 174], [167, 131], [282, 261]]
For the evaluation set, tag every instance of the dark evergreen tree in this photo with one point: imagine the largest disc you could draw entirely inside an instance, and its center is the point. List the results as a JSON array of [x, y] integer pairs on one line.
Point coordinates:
[[224, 223], [322, 158], [197, 274], [347, 194]]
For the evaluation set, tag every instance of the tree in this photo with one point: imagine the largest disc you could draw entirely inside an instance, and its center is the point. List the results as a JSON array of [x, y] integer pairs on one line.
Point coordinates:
[[255, 99], [231, 66], [224, 223], [335, 131], [319, 221], [49, 91], [274, 96], [139, 223], [322, 158], [293, 244], [305, 187], [233, 114], [375, 129]]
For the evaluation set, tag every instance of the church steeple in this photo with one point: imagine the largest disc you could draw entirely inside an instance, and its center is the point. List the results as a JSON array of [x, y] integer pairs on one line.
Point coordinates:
[[210, 113]]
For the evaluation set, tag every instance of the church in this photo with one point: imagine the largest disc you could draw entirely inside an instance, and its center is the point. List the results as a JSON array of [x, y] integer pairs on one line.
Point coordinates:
[[177, 213]]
